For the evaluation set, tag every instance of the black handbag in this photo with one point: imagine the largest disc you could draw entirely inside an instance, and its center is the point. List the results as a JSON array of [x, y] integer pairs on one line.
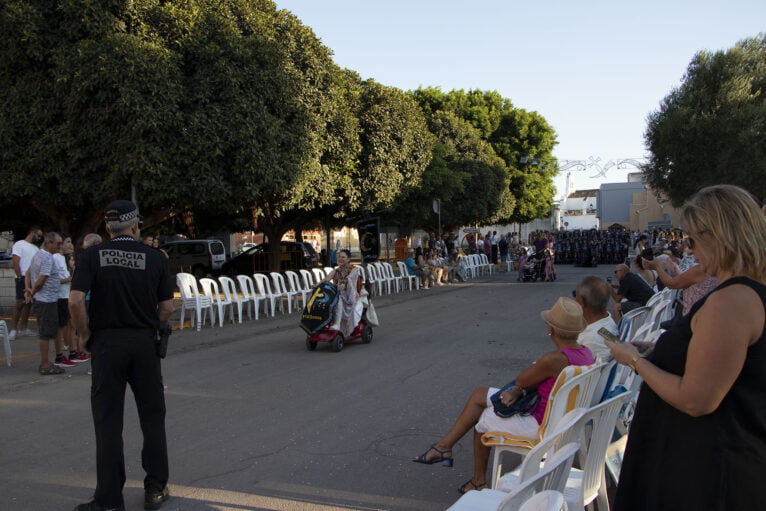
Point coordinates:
[[525, 405]]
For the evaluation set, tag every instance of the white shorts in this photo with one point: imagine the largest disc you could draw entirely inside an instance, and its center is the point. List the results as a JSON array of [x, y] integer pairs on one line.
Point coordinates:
[[519, 425]]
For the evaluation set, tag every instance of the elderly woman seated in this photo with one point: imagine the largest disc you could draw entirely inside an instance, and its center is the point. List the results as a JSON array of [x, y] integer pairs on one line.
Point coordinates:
[[565, 321], [348, 312]]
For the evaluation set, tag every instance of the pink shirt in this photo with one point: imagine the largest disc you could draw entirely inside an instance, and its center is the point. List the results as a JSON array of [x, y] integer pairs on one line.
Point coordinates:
[[577, 357]]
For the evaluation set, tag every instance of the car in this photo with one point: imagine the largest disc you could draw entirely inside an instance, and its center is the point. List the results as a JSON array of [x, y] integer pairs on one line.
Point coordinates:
[[198, 257], [294, 256], [6, 260]]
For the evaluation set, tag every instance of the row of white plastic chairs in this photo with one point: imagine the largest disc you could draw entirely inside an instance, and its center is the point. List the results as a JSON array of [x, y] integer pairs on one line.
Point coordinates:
[[477, 264], [273, 291], [583, 408], [247, 293], [643, 323]]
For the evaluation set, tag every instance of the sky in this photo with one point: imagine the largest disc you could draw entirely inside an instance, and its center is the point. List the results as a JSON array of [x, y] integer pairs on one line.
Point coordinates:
[[593, 69]]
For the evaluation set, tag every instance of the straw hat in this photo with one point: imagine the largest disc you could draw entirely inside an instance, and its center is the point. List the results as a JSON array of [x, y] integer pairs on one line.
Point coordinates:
[[566, 316]]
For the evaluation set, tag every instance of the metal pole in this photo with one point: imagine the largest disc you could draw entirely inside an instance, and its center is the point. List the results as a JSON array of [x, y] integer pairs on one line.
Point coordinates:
[[440, 218]]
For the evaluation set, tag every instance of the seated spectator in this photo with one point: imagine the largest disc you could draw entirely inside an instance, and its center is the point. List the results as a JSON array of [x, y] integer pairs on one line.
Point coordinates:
[[632, 291], [694, 281], [565, 322], [593, 295], [413, 268], [435, 269], [645, 272]]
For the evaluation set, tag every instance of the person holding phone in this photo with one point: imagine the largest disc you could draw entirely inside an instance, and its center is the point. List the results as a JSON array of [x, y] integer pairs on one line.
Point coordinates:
[[698, 437]]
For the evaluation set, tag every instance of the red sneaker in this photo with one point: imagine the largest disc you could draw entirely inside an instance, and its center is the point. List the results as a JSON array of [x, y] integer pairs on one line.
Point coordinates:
[[64, 362], [81, 357]]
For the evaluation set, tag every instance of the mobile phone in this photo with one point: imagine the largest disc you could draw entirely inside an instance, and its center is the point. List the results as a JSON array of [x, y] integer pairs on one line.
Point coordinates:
[[606, 334]]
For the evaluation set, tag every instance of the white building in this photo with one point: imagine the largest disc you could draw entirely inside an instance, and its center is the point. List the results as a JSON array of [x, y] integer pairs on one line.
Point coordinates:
[[578, 210]]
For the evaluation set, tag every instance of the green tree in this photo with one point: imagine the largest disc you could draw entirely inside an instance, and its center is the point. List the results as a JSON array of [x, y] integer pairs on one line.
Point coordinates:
[[481, 132], [712, 128], [527, 134], [200, 105]]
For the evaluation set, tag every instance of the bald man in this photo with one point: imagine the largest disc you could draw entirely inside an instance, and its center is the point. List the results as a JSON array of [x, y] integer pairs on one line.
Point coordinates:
[[632, 291]]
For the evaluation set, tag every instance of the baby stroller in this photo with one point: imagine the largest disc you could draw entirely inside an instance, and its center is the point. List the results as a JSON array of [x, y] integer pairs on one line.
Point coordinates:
[[532, 268], [317, 319]]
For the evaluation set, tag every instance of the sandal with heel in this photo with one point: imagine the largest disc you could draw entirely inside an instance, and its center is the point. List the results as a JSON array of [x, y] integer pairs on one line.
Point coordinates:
[[470, 486], [446, 461]]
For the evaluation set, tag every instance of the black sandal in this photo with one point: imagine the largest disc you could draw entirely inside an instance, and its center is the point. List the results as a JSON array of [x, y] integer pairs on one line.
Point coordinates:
[[446, 461], [470, 486]]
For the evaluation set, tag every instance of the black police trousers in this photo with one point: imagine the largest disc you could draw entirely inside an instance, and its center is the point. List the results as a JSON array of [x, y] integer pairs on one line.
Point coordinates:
[[119, 357]]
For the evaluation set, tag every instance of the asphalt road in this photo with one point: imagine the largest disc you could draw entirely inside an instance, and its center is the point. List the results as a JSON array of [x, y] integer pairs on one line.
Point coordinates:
[[257, 422]]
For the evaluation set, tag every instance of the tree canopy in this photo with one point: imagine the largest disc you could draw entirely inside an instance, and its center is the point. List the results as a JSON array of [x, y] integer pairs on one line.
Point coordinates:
[[476, 170], [233, 114], [712, 128]]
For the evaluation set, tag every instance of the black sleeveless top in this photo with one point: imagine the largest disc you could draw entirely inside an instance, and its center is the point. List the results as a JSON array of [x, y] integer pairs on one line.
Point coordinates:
[[715, 462]]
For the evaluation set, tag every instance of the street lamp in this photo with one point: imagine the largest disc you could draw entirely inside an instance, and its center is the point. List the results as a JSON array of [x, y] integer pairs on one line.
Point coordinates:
[[529, 160]]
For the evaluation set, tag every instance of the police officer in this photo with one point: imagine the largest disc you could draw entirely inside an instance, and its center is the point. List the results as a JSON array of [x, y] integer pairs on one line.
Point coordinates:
[[131, 297]]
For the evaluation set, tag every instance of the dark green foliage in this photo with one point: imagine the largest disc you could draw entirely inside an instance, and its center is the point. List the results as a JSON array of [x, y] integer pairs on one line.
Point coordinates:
[[712, 129], [475, 170]]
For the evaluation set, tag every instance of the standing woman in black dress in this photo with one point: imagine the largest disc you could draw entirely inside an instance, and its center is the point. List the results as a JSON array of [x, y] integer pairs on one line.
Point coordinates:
[[698, 438]]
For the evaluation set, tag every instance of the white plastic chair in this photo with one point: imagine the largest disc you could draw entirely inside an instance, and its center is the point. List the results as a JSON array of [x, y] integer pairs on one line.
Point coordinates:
[[191, 299], [319, 274], [309, 281], [263, 285], [247, 288], [485, 263], [552, 477], [391, 274], [374, 279], [280, 290], [649, 330], [585, 485], [210, 288], [631, 321], [229, 288], [383, 276], [573, 388], [294, 284], [470, 265], [328, 270], [406, 275], [568, 429], [548, 500], [6, 343]]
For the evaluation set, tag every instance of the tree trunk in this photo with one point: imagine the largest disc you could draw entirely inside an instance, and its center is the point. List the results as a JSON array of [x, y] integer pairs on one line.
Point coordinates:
[[273, 230]]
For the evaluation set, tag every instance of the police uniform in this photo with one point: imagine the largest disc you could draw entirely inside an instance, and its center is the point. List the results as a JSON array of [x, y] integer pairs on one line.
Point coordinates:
[[126, 280]]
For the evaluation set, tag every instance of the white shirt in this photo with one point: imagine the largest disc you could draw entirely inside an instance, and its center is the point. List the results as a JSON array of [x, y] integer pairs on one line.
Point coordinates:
[[25, 251], [594, 342], [63, 273]]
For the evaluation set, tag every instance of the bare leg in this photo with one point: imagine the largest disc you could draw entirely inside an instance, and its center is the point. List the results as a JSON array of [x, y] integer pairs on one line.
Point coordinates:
[[16, 314], [59, 344], [480, 460], [466, 420], [24, 319], [44, 347]]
